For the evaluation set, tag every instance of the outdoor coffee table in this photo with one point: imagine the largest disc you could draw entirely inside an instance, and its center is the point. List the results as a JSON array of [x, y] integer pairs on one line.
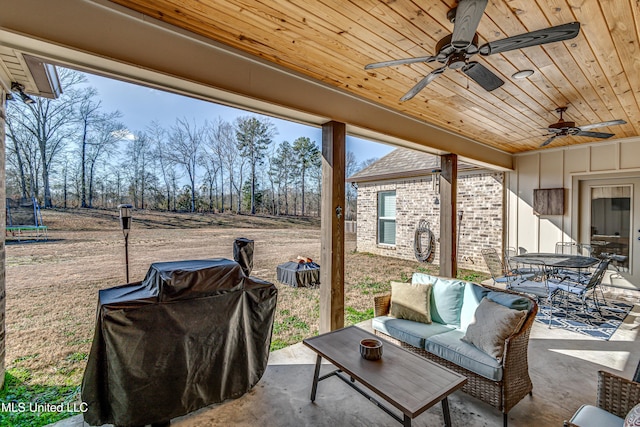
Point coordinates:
[[405, 380]]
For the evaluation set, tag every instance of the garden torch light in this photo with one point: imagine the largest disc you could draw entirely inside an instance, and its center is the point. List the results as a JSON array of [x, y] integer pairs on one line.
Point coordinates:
[[125, 223]]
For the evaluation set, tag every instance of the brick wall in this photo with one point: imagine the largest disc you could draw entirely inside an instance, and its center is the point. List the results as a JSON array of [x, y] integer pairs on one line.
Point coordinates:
[[3, 222], [480, 198]]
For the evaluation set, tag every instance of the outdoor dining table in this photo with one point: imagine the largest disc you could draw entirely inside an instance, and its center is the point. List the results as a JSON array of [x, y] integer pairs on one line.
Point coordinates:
[[555, 260]]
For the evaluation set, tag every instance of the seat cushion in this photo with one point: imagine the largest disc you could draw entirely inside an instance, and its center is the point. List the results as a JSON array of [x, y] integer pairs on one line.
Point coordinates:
[[449, 346], [411, 301], [408, 331], [592, 416], [446, 298]]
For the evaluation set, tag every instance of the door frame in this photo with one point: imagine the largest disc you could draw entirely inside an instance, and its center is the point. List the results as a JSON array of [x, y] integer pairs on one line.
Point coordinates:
[[581, 231]]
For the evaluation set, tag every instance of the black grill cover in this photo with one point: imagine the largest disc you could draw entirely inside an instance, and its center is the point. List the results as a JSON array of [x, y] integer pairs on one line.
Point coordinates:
[[243, 254], [192, 333], [298, 274]]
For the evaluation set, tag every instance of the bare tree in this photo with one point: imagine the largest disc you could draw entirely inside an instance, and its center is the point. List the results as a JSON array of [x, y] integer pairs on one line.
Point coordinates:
[[233, 163], [88, 115], [185, 142], [159, 141], [21, 139], [102, 141], [220, 141], [51, 123], [138, 164], [351, 166]]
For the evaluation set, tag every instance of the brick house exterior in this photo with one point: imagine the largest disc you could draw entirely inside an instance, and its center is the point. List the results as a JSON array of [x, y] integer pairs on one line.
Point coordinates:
[[411, 175]]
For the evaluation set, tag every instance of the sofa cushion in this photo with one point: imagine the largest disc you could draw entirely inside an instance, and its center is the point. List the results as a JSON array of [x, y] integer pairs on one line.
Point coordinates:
[[408, 331], [492, 325], [592, 416], [411, 301], [449, 346], [446, 298], [473, 294]]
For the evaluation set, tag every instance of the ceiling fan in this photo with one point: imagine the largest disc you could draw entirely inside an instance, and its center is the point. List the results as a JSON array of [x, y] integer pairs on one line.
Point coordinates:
[[563, 128], [455, 50]]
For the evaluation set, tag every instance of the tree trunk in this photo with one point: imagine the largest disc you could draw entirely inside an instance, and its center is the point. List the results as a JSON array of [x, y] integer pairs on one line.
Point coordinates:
[[303, 191], [221, 190], [253, 187], [83, 174], [91, 169]]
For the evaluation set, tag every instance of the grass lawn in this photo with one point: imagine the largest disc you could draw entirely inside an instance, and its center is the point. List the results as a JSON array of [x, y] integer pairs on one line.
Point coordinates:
[[52, 287]]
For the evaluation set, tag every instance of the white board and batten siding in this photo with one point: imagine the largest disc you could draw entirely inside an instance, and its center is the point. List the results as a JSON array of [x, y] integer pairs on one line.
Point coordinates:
[[561, 168]]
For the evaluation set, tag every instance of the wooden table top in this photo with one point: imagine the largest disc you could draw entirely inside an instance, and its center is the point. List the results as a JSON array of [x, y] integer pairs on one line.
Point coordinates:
[[407, 381]]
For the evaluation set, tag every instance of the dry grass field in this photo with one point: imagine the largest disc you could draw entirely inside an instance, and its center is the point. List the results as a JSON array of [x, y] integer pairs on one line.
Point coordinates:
[[52, 286]]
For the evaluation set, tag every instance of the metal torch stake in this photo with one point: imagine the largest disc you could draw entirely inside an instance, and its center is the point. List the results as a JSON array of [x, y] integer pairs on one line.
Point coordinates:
[[125, 224], [126, 256]]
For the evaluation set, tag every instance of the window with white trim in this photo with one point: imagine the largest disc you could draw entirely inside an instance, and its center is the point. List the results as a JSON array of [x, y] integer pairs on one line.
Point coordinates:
[[387, 218]]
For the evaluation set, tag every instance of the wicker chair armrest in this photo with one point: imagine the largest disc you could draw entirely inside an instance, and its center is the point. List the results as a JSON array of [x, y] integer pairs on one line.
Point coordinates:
[[616, 394], [381, 305], [515, 364]]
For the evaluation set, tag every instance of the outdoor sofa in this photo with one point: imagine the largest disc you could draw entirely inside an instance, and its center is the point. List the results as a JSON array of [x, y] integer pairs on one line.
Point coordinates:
[[478, 331]]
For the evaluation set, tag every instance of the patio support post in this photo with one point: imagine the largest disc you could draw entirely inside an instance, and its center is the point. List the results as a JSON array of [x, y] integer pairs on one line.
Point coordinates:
[[332, 227], [448, 215], [3, 220]]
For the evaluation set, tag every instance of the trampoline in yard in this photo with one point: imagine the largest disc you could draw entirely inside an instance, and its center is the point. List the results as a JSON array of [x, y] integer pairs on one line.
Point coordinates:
[[24, 219]]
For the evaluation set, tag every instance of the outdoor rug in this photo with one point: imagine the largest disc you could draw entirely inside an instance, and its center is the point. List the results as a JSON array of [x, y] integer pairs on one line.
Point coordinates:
[[590, 323]]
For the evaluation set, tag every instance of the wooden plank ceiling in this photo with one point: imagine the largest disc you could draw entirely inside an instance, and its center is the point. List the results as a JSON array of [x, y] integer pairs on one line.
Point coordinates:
[[596, 74]]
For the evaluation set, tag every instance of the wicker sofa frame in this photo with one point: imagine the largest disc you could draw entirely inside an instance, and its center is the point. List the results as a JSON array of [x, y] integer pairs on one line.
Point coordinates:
[[515, 383]]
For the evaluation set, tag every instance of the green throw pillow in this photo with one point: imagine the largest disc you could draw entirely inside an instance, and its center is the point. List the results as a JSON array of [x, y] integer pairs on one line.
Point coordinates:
[[493, 323], [410, 301], [446, 298]]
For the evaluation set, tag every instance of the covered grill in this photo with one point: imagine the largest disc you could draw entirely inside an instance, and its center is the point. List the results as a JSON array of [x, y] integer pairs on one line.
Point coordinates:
[[192, 333]]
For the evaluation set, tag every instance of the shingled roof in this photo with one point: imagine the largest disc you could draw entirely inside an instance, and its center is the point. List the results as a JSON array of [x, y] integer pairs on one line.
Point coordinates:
[[403, 163]]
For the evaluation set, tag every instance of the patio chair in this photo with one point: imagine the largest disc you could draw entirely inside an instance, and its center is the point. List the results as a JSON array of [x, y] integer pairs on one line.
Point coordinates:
[[540, 287], [571, 248], [498, 269], [582, 289], [567, 248], [516, 268], [617, 396]]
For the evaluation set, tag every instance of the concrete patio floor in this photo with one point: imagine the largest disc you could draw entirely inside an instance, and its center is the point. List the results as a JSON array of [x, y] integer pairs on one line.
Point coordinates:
[[562, 365]]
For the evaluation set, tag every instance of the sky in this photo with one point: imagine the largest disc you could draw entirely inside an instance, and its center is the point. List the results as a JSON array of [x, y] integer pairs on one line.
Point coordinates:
[[141, 105]]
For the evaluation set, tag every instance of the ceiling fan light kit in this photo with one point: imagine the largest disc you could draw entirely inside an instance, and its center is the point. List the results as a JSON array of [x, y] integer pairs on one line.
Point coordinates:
[[522, 74], [455, 50]]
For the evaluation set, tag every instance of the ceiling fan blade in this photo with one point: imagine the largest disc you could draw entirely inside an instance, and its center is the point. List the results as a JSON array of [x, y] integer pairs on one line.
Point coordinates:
[[400, 62], [548, 141], [534, 38], [603, 124], [422, 83], [468, 14], [482, 75], [595, 134]]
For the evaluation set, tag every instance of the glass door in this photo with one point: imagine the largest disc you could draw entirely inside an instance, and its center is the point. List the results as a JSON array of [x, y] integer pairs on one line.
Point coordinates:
[[610, 223]]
